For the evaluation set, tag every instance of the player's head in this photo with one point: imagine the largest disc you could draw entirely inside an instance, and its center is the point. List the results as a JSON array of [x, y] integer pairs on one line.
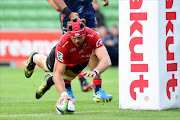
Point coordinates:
[[77, 30], [76, 27]]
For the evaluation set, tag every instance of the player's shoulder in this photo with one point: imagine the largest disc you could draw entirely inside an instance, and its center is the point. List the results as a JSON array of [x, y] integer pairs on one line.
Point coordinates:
[[90, 32], [64, 40]]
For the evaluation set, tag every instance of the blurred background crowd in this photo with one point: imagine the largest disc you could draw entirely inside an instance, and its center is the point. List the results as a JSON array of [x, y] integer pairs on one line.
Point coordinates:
[[110, 37], [38, 15]]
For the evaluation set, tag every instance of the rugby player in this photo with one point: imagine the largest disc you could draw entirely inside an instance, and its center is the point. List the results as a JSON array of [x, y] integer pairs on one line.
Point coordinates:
[[69, 58]]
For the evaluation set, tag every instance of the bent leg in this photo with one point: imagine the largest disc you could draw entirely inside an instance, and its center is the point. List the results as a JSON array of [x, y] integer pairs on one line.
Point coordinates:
[[40, 61], [92, 64], [85, 86], [100, 95], [45, 86], [47, 64], [30, 65]]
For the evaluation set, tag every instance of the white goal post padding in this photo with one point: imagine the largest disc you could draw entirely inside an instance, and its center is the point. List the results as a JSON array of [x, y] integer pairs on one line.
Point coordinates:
[[149, 54]]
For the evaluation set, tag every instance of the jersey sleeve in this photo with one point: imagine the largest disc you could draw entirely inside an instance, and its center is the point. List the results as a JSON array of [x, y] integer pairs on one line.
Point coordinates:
[[97, 42], [61, 54]]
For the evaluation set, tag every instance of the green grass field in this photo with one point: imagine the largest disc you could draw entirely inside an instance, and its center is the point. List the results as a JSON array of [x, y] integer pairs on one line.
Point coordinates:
[[17, 100]]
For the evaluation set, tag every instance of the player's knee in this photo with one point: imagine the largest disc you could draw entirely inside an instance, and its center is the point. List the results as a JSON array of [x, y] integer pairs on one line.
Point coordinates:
[[44, 64]]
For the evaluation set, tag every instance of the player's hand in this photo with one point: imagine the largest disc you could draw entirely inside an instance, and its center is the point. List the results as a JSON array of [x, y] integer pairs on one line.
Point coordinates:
[[89, 74], [66, 97], [106, 2], [74, 15]]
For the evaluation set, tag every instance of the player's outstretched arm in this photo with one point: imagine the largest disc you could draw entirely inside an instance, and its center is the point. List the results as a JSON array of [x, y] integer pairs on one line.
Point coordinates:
[[104, 63], [63, 7], [51, 2], [104, 59], [59, 82], [60, 4]]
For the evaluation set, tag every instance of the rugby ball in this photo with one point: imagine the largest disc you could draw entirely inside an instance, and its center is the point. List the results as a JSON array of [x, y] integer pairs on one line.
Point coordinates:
[[65, 107]]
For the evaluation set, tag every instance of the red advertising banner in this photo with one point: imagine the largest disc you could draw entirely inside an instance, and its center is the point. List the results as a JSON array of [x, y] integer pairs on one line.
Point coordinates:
[[15, 46]]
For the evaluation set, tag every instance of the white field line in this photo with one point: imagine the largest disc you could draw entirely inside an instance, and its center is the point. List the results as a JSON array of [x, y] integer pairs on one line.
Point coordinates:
[[48, 114]]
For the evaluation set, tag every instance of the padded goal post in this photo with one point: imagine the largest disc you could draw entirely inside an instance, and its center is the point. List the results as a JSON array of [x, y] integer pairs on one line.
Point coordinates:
[[149, 54]]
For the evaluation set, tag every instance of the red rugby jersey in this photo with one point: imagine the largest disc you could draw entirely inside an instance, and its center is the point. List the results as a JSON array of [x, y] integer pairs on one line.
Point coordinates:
[[67, 53]]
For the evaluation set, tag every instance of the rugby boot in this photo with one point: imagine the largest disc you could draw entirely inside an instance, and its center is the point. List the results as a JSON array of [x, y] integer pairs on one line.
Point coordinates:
[[30, 65], [44, 86], [101, 96]]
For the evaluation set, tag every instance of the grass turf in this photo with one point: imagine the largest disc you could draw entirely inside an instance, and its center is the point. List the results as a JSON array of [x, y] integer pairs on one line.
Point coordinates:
[[17, 100]]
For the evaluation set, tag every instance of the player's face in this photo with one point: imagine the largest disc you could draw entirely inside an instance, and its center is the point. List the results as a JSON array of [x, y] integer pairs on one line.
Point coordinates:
[[78, 41]]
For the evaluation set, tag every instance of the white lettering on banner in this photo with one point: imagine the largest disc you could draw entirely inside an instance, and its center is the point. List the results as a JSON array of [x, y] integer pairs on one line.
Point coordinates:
[[140, 83], [3, 45], [171, 65], [16, 48], [42, 46], [25, 48]]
